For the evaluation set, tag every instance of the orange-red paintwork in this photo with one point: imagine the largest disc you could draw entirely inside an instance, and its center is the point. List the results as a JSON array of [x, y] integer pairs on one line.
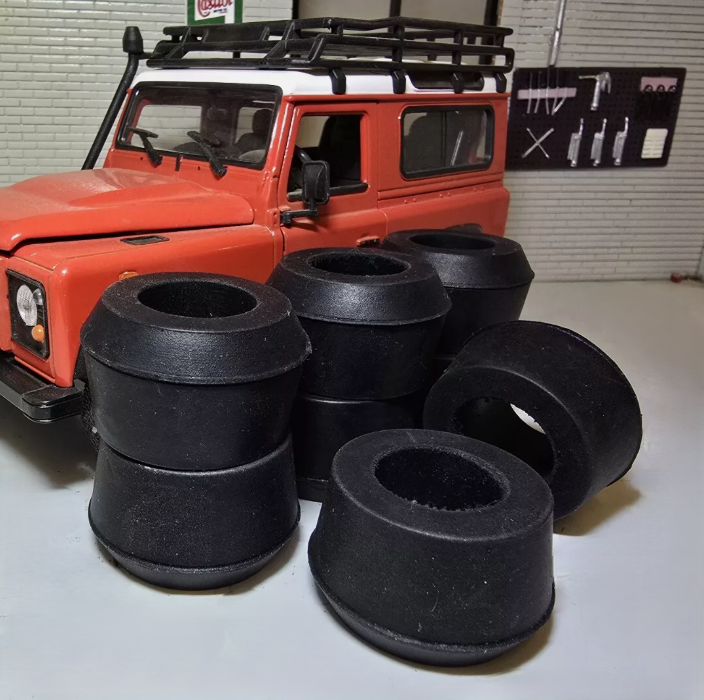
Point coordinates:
[[112, 200], [65, 230]]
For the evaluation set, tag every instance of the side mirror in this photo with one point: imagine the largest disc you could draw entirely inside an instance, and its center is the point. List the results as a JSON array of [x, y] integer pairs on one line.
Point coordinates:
[[316, 183], [315, 190]]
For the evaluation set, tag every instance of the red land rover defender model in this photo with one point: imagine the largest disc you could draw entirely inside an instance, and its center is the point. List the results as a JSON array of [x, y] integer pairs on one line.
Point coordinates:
[[241, 143]]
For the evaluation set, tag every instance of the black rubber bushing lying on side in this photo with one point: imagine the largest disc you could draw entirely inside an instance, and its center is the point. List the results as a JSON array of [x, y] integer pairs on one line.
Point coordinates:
[[486, 277], [194, 530], [373, 318], [321, 426], [435, 547], [589, 418], [193, 371]]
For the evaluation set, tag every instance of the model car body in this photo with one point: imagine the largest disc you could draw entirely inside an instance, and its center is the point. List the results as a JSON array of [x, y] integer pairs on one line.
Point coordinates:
[[334, 133]]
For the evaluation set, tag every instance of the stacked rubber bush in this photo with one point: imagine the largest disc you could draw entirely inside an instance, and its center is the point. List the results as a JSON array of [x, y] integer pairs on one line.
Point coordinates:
[[434, 540], [486, 277], [374, 319], [192, 379]]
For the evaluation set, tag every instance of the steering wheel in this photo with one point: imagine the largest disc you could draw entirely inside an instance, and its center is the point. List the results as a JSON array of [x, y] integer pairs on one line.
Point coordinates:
[[295, 178], [299, 153]]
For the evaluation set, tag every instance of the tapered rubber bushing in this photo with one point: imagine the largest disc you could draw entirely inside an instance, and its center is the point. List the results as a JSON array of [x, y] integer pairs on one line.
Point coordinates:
[[486, 277], [321, 426], [435, 547], [588, 415], [194, 530], [193, 371], [373, 317]]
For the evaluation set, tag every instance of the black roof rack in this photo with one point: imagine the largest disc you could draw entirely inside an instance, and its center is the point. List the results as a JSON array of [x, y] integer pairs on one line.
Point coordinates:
[[395, 45]]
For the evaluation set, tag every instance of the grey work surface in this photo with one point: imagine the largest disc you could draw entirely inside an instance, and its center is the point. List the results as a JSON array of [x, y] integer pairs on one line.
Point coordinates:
[[629, 566]]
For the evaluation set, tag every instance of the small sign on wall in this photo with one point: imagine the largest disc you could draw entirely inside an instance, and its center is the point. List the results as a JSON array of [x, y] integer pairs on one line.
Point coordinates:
[[214, 11]]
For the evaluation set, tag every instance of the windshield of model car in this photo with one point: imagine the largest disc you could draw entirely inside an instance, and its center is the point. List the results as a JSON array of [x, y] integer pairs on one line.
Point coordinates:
[[235, 120]]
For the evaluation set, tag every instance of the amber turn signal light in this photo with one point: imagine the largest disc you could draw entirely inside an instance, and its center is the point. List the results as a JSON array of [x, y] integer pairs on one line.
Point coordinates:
[[38, 333]]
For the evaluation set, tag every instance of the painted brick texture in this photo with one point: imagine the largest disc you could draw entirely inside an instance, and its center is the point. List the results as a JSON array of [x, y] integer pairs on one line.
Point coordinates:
[[60, 62], [630, 224]]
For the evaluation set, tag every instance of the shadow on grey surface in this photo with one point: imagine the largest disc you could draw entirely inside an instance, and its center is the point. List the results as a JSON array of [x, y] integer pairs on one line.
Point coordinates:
[[599, 509], [276, 564], [61, 451], [506, 663]]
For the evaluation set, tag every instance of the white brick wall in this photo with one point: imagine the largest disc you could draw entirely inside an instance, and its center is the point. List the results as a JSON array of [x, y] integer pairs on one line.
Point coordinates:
[[60, 62], [630, 224]]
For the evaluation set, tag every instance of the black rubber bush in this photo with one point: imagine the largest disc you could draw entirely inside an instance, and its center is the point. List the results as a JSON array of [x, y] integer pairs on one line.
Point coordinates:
[[193, 371], [194, 530], [373, 318], [435, 547], [588, 415], [486, 277], [321, 426]]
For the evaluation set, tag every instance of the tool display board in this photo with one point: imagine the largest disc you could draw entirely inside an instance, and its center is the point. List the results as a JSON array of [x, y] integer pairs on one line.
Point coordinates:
[[642, 102]]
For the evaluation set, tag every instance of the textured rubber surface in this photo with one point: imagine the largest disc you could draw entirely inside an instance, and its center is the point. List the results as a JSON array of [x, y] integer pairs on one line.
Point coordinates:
[[432, 654], [188, 524], [191, 371], [189, 427], [466, 260], [87, 419], [194, 328], [373, 318], [588, 413], [185, 578], [486, 277], [321, 426], [429, 540]]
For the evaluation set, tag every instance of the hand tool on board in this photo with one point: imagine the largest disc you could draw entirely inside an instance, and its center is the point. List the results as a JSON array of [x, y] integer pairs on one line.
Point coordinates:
[[620, 144], [602, 84], [538, 143], [575, 143], [598, 144]]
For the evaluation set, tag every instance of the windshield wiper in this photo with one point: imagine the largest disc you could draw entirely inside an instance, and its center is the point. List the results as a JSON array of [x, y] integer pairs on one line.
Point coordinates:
[[154, 157], [207, 145]]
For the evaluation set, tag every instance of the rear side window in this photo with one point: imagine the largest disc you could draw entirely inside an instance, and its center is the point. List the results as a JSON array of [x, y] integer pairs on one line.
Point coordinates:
[[446, 140]]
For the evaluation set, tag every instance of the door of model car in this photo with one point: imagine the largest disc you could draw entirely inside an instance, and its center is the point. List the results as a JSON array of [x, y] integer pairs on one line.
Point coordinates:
[[344, 135]]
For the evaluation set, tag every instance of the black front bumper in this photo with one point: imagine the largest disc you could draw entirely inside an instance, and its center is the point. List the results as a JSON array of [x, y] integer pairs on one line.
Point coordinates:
[[39, 400]]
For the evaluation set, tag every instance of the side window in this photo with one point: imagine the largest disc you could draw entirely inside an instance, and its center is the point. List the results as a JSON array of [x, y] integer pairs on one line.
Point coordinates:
[[445, 140], [335, 138]]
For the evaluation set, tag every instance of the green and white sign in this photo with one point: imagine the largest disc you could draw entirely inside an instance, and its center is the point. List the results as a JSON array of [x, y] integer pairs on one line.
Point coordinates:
[[214, 11]]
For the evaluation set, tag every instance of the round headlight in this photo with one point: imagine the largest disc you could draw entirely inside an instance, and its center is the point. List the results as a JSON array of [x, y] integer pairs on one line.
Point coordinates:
[[28, 303]]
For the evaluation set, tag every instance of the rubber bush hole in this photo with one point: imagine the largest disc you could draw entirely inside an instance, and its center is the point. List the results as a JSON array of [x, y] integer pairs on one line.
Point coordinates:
[[496, 422], [197, 299], [358, 264], [438, 479], [452, 241]]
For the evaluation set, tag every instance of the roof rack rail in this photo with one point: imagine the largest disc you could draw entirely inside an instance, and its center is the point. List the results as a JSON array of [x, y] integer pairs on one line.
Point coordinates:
[[395, 45]]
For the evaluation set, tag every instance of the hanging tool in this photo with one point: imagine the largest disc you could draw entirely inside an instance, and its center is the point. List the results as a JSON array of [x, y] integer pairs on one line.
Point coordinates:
[[557, 34], [598, 144], [565, 92], [538, 143], [547, 91], [530, 91], [575, 143], [557, 89], [620, 143], [537, 102], [602, 84]]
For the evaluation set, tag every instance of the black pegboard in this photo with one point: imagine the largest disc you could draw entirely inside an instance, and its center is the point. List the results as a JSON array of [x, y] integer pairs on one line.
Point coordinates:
[[645, 111]]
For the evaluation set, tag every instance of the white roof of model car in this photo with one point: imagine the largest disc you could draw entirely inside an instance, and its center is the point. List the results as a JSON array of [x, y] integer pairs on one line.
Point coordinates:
[[292, 82]]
